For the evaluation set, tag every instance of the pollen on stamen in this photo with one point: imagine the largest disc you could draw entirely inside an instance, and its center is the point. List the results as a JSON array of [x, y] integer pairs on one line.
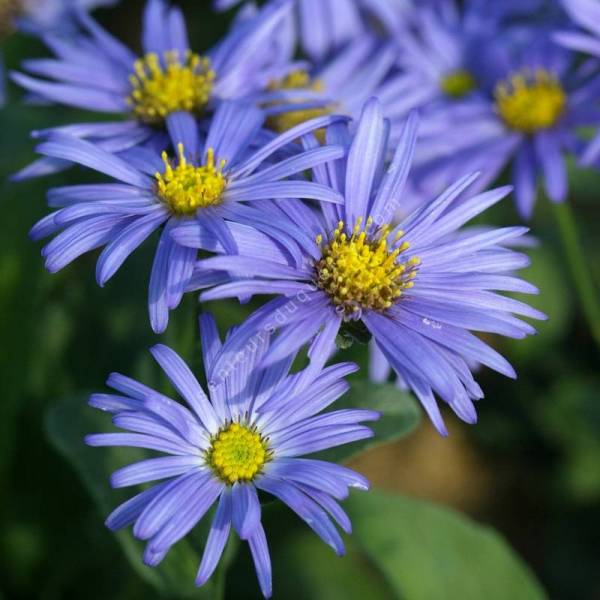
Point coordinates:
[[169, 83], [530, 101], [298, 80], [185, 187], [237, 453], [363, 271]]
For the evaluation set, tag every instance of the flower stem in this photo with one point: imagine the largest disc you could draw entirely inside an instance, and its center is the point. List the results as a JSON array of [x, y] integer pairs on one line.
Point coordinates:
[[579, 268]]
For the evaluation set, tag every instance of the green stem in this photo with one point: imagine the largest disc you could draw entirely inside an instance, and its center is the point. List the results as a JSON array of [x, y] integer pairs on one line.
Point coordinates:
[[579, 268]]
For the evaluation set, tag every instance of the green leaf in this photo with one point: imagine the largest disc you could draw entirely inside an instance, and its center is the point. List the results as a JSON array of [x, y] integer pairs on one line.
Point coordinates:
[[400, 414], [67, 424], [570, 418], [427, 552], [304, 567]]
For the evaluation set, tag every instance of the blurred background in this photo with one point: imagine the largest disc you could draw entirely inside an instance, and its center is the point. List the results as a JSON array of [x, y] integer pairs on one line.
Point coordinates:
[[530, 469]]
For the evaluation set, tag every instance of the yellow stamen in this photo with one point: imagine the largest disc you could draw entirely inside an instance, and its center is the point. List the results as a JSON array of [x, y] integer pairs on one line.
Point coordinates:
[[237, 453], [186, 188], [458, 84], [362, 271], [529, 102], [160, 87], [300, 80]]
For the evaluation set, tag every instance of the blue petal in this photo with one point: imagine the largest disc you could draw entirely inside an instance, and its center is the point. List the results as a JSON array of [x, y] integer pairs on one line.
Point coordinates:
[[92, 156], [186, 384], [245, 509], [365, 160], [217, 538]]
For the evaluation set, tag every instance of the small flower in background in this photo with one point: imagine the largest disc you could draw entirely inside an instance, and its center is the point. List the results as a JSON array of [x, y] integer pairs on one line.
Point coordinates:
[[198, 190], [418, 288], [40, 17], [532, 104], [96, 72], [325, 26], [585, 14], [433, 71], [341, 85], [247, 435], [433, 58]]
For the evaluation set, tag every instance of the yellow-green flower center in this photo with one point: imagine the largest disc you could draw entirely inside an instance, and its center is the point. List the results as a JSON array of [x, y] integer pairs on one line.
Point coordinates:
[[160, 87], [300, 80], [9, 9], [361, 271], [529, 102], [458, 84], [237, 453], [185, 188]]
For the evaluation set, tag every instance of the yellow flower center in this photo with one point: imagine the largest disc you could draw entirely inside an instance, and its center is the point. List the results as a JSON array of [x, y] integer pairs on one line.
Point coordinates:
[[9, 9], [237, 453], [186, 187], [458, 84], [284, 121], [160, 87], [362, 271], [528, 102]]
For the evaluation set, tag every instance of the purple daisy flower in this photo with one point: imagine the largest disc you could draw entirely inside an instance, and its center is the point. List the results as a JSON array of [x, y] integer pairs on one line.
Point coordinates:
[[418, 288], [247, 435], [95, 71], [203, 186], [433, 64], [532, 105], [324, 26]]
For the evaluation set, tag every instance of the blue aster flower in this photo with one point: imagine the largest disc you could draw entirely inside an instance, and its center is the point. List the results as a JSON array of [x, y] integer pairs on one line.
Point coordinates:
[[96, 72], [248, 434], [418, 288], [325, 26], [433, 61], [203, 185], [532, 105]]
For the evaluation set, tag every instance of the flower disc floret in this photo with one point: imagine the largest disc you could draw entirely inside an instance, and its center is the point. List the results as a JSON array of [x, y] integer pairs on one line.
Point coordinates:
[[237, 453], [458, 84], [161, 86], [300, 80], [362, 271], [529, 102], [186, 188]]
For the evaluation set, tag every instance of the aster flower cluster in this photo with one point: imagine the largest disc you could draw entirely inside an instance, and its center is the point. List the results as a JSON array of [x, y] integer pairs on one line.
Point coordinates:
[[330, 155]]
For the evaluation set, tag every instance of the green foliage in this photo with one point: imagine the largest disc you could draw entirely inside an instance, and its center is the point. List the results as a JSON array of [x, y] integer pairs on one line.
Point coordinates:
[[427, 552], [571, 420], [304, 567]]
